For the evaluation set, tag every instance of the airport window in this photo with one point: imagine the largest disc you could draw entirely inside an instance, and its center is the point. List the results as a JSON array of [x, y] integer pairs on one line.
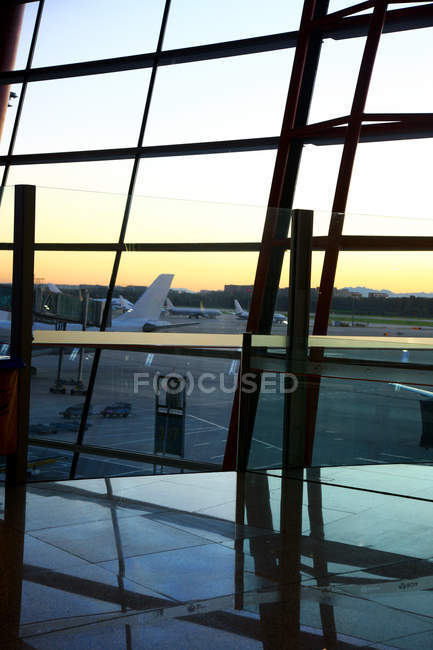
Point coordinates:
[[333, 91], [74, 268], [225, 99], [63, 20], [401, 80], [6, 215], [14, 95], [235, 178], [227, 21], [197, 271], [83, 113], [173, 220], [400, 165], [78, 216], [108, 176]]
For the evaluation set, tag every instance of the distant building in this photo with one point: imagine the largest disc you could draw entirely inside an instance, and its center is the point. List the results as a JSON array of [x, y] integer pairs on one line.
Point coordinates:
[[377, 294], [234, 288], [346, 293]]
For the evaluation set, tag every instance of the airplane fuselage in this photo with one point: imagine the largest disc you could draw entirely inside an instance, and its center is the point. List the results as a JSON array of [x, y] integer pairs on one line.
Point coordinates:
[[278, 318], [194, 312]]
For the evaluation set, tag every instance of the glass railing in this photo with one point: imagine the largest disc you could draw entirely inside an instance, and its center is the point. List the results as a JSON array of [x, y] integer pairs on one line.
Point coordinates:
[[348, 401], [159, 403]]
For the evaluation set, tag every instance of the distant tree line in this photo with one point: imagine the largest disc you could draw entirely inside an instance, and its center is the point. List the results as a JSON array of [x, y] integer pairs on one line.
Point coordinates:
[[412, 306]]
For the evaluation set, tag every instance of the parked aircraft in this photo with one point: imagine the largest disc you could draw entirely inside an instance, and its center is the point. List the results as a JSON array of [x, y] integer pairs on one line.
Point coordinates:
[[192, 312], [143, 317], [118, 304], [145, 314], [243, 315]]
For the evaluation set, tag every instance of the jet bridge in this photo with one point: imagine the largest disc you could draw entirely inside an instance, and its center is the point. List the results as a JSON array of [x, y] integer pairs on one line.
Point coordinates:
[[50, 307]]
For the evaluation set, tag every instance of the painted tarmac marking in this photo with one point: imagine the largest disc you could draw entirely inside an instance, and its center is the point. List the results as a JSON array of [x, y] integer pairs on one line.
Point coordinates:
[[207, 422]]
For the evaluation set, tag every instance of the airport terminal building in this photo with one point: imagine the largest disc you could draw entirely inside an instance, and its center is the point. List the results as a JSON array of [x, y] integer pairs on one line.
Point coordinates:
[[216, 327]]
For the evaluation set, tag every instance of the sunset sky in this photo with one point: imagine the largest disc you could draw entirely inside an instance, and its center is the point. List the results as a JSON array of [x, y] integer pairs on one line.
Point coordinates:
[[220, 197]]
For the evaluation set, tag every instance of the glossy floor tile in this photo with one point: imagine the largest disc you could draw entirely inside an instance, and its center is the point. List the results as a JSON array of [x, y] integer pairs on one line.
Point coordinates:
[[220, 561]]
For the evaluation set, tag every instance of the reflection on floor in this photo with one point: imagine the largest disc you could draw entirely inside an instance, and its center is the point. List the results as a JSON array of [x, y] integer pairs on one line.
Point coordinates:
[[218, 561]]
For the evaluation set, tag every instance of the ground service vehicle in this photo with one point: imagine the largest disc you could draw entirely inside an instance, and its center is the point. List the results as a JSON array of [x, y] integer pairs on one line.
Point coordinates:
[[74, 411], [117, 410]]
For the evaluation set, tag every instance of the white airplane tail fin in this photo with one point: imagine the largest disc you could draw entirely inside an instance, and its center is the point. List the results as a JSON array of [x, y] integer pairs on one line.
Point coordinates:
[[238, 308], [150, 304]]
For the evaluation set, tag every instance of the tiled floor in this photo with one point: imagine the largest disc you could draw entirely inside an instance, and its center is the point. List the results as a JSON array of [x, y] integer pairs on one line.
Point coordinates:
[[220, 561]]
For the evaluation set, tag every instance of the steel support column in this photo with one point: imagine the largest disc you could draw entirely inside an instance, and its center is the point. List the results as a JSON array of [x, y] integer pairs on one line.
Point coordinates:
[[11, 18], [282, 189], [295, 403], [22, 321], [339, 203]]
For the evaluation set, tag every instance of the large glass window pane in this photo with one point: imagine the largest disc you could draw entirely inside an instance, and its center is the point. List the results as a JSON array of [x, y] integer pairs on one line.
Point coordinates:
[[7, 198], [6, 266], [45, 464], [105, 176], [362, 422], [59, 380], [74, 216], [403, 226], [105, 29], [333, 91], [317, 177], [128, 415], [397, 175], [74, 268], [225, 20], [201, 281], [383, 294], [51, 464], [401, 80], [171, 220], [5, 300], [239, 97], [338, 5], [10, 118], [83, 113], [359, 422], [242, 178]]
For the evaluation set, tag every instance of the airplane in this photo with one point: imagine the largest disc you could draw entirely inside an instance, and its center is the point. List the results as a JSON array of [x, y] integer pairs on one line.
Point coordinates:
[[145, 314], [143, 317], [117, 304], [192, 312], [243, 315]]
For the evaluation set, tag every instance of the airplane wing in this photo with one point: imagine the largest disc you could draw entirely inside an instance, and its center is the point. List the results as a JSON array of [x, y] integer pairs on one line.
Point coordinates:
[[412, 389], [167, 325]]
